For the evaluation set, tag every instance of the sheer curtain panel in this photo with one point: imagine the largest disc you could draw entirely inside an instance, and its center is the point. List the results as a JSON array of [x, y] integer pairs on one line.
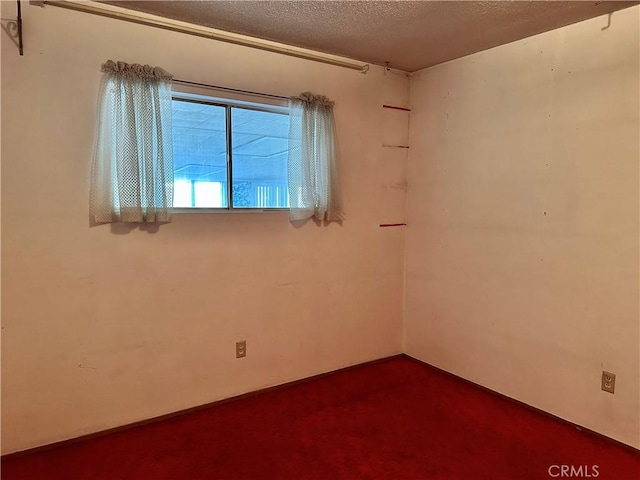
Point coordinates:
[[132, 172], [313, 187]]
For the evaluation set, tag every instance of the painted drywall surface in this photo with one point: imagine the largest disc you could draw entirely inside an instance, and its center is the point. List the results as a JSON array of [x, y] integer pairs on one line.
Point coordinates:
[[522, 245], [102, 328]]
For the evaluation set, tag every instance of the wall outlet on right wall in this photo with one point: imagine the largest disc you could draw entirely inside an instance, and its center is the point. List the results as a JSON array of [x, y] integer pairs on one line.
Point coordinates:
[[608, 382], [241, 349]]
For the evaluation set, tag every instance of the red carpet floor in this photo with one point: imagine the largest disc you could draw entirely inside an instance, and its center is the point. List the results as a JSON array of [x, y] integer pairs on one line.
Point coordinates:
[[397, 420]]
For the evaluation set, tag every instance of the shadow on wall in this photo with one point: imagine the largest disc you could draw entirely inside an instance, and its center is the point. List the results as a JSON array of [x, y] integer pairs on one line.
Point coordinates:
[[126, 228]]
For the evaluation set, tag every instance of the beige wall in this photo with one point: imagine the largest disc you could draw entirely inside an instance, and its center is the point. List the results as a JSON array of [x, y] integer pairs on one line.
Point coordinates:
[[522, 246], [104, 328]]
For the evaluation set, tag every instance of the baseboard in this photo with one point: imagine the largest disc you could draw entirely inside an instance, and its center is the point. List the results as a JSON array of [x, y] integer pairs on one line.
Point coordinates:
[[526, 405], [167, 416]]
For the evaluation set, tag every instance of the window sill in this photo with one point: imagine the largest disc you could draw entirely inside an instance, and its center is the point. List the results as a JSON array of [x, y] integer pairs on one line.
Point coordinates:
[[189, 211]]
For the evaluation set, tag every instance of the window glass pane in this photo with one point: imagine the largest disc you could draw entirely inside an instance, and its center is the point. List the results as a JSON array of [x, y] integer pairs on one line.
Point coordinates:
[[259, 158], [209, 194], [199, 155], [182, 194]]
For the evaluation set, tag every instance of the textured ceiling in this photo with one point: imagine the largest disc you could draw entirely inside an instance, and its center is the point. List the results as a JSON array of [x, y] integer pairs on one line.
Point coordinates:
[[410, 35]]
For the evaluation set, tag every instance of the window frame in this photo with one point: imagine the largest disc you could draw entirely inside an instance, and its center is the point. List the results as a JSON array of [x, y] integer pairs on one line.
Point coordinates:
[[229, 99]]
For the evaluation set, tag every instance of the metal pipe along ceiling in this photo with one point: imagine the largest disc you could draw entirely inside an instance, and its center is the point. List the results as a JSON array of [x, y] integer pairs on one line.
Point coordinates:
[[120, 13]]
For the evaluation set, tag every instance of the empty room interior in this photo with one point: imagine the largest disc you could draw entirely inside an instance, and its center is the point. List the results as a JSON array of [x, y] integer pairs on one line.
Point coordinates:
[[487, 159]]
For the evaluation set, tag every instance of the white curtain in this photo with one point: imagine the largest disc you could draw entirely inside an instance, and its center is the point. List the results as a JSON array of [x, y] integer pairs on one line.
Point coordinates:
[[313, 187], [132, 172]]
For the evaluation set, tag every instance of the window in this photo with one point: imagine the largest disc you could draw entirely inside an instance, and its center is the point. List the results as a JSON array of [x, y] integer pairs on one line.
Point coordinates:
[[229, 151]]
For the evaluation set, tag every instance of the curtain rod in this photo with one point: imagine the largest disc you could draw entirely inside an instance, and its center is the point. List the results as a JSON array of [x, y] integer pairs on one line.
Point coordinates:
[[228, 89], [112, 11]]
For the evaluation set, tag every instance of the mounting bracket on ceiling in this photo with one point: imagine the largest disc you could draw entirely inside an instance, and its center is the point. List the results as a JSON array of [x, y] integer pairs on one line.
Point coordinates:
[[19, 22], [13, 28]]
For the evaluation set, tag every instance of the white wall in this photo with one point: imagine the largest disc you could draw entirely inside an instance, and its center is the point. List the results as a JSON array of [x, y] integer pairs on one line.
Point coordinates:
[[103, 328], [522, 245]]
